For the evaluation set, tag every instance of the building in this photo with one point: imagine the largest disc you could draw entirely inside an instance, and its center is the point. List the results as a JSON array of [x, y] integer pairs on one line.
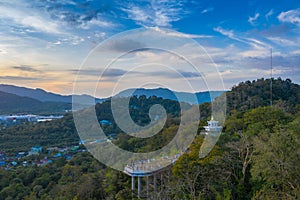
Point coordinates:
[[2, 156], [105, 122], [35, 150], [213, 126], [2, 163]]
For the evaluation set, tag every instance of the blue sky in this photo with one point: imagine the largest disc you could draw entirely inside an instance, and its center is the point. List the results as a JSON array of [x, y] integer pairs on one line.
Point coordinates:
[[43, 42]]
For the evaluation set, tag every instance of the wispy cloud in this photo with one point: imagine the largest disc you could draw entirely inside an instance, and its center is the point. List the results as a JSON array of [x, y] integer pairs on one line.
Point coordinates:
[[187, 74], [98, 72], [228, 33], [156, 13], [257, 44], [16, 78], [284, 42], [125, 45], [26, 68], [291, 16], [23, 15], [269, 14], [252, 20], [180, 35], [2, 51], [210, 9]]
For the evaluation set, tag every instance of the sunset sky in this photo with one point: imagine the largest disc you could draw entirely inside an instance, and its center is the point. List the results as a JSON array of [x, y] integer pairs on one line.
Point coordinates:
[[44, 42]]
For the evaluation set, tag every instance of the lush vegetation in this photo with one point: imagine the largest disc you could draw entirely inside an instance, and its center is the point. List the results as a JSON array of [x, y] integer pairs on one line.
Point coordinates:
[[62, 132], [248, 95], [256, 157]]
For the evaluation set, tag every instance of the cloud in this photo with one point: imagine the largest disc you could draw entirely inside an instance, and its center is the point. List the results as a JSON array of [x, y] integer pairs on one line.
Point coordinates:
[[210, 9], [187, 74], [114, 73], [22, 15], [156, 13], [249, 41], [2, 51], [277, 30], [269, 14], [180, 35], [228, 33], [252, 20], [97, 72], [291, 16], [284, 42], [125, 45], [81, 14], [25, 68], [167, 74], [17, 78]]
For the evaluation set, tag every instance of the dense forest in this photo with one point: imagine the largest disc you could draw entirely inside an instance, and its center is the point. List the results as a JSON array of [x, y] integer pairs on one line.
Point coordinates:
[[256, 157], [62, 132]]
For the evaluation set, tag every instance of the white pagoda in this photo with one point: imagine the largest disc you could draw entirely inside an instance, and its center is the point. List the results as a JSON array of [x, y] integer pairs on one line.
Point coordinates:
[[213, 126]]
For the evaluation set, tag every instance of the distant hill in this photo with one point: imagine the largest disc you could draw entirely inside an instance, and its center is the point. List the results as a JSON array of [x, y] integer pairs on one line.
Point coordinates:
[[40, 94], [44, 96], [11, 103], [252, 94], [168, 94]]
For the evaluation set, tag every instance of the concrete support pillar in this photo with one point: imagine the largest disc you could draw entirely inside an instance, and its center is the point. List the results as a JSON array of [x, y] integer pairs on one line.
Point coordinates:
[[147, 186], [139, 187], [161, 181], [155, 183], [132, 183]]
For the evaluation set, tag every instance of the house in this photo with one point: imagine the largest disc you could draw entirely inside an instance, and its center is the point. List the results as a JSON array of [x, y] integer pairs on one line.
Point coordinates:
[[112, 136], [2, 156], [75, 148], [58, 155], [21, 154], [68, 157], [105, 122], [14, 163], [43, 162], [25, 163], [81, 142], [2, 163], [35, 150]]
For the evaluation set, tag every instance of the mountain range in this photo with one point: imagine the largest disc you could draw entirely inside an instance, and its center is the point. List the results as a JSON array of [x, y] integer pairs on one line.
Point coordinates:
[[187, 97], [22, 99], [41, 95]]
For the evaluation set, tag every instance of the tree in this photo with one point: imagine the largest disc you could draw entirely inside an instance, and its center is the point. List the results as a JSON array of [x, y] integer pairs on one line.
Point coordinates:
[[275, 170]]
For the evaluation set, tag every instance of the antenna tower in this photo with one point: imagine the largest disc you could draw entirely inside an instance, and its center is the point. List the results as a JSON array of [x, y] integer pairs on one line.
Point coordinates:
[[271, 81]]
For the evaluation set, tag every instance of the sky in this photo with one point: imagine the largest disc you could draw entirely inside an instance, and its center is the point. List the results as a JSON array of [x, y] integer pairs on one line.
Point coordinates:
[[45, 43]]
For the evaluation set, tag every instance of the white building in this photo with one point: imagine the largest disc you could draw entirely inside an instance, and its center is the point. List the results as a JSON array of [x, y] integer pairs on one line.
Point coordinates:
[[213, 126]]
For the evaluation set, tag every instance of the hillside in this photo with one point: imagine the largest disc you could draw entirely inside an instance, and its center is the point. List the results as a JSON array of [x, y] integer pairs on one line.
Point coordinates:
[[41, 95], [62, 132], [248, 95], [172, 95], [11, 104]]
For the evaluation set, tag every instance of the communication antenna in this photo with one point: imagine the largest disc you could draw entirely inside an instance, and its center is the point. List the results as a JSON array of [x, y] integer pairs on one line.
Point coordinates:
[[271, 81]]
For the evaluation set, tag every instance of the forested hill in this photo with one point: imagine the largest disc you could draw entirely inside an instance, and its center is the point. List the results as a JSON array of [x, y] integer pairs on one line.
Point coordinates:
[[248, 95], [11, 104], [62, 132]]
